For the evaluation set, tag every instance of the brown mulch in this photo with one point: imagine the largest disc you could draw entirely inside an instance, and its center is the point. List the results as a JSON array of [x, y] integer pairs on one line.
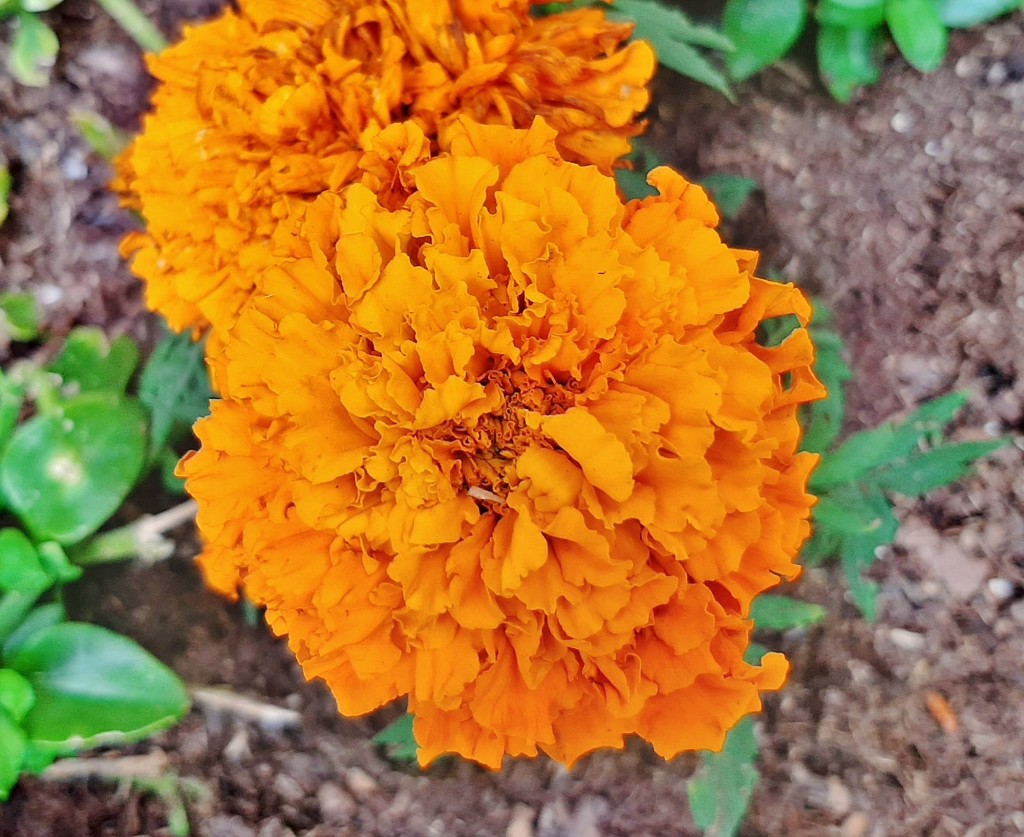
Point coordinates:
[[905, 212]]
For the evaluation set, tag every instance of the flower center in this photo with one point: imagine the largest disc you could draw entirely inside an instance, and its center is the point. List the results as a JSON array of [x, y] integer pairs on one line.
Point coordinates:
[[485, 451]]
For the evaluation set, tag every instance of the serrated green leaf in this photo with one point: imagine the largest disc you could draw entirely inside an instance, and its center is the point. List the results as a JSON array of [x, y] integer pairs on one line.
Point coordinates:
[[674, 38], [41, 617], [721, 789], [935, 468], [94, 687], [762, 31], [857, 511], [730, 192], [856, 457], [654, 19], [823, 420], [781, 613], [687, 61], [12, 753], [90, 362], [33, 52], [64, 475], [20, 567], [16, 695], [398, 739], [856, 555], [19, 317], [823, 545], [848, 59], [860, 14], [926, 423], [174, 387], [918, 31], [961, 14], [102, 137]]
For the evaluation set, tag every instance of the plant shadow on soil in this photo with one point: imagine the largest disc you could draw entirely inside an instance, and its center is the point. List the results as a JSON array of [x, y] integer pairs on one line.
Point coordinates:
[[904, 212]]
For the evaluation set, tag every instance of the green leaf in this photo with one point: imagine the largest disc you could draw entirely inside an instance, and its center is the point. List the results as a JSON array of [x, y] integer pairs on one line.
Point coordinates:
[[856, 457], [960, 14], [823, 545], [824, 419], [926, 423], [918, 31], [754, 653], [935, 468], [94, 364], [848, 59], [16, 694], [781, 613], [19, 317], [634, 184], [34, 51], [167, 460], [5, 192], [174, 387], [858, 14], [12, 396], [102, 137], [14, 608], [687, 61], [730, 192], [40, 5], [721, 789], [857, 510], [12, 753], [65, 475], [94, 687], [857, 554], [55, 561], [41, 617], [655, 20], [20, 567], [398, 739], [762, 31]]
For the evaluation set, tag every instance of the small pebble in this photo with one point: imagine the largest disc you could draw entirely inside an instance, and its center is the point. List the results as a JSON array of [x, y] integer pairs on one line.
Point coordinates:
[[1001, 589], [855, 825], [287, 788], [360, 782], [336, 806], [839, 798], [520, 824], [902, 122], [906, 640]]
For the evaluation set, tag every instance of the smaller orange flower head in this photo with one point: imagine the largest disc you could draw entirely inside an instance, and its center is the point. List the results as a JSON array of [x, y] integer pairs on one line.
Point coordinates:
[[269, 105], [514, 450]]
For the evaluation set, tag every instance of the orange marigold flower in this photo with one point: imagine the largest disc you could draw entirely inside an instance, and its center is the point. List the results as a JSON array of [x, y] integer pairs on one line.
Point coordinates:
[[513, 449], [269, 105]]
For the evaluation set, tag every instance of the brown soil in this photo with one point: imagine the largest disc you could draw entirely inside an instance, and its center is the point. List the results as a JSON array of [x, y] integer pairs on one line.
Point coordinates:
[[905, 212]]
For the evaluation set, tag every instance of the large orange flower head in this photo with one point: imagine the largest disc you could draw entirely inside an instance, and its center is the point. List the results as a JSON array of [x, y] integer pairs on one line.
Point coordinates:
[[513, 449], [269, 105]]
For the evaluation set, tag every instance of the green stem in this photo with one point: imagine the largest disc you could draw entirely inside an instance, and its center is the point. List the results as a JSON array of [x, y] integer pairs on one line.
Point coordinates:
[[139, 28], [143, 539]]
